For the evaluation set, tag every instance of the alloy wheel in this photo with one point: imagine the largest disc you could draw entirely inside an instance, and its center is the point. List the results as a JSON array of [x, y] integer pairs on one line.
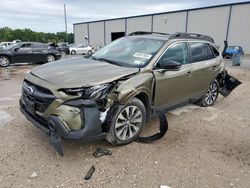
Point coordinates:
[[4, 61], [212, 94], [128, 122], [50, 58]]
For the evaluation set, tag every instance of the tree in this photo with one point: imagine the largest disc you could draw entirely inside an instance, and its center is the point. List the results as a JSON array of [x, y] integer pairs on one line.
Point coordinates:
[[8, 34]]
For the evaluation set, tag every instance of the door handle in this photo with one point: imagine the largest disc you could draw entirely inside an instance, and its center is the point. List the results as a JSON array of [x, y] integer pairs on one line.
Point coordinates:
[[189, 73]]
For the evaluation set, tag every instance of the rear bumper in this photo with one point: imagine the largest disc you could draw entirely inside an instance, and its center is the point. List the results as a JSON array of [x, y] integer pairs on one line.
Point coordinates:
[[58, 56], [89, 112]]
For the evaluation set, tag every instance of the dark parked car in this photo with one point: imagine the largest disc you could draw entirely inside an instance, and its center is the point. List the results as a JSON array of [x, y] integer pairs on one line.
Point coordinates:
[[28, 52], [62, 48]]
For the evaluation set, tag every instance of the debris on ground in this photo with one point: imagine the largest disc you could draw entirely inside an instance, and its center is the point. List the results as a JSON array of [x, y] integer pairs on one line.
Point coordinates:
[[164, 186], [89, 173], [34, 175], [100, 152]]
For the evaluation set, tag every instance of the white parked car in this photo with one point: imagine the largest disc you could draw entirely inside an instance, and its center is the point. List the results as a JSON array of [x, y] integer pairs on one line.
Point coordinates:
[[81, 49]]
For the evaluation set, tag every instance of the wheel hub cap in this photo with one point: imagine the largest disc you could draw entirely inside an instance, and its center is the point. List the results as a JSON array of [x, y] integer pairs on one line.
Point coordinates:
[[211, 94], [128, 122], [51, 58], [3, 61]]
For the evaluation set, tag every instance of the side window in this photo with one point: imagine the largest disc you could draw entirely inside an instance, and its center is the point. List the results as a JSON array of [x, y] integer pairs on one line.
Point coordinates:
[[81, 46], [216, 52], [38, 45], [25, 46], [176, 52], [200, 51]]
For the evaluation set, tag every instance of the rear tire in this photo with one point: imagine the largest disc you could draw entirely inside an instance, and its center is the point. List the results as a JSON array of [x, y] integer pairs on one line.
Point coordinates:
[[211, 96], [126, 122], [63, 53], [73, 52], [4, 61], [50, 58]]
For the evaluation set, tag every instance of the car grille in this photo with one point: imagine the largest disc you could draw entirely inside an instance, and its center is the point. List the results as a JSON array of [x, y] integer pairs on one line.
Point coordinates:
[[40, 97]]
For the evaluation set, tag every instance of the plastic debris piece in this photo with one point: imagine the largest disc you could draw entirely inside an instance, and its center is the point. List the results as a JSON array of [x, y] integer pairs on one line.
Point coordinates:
[[34, 175], [164, 186], [100, 152], [89, 173]]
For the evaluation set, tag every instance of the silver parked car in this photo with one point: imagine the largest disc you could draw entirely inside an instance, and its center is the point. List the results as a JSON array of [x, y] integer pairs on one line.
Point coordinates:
[[81, 49]]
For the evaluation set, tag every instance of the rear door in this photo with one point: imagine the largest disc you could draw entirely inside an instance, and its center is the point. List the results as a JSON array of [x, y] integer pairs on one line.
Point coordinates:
[[82, 49], [39, 51], [206, 66], [173, 87]]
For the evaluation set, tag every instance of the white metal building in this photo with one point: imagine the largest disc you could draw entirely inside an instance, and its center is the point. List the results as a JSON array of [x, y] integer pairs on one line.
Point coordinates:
[[229, 22]]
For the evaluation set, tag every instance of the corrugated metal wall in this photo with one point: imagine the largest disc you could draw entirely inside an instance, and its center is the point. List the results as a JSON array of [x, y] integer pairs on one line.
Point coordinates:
[[135, 24], [80, 32], [211, 22], [170, 22], [225, 22], [96, 34], [239, 30], [114, 26]]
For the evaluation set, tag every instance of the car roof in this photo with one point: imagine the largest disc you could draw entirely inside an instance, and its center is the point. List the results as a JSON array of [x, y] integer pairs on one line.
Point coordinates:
[[152, 36], [30, 42], [175, 36]]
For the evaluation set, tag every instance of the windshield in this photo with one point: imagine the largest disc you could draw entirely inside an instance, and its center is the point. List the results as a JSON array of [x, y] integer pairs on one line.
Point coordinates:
[[129, 51], [10, 46]]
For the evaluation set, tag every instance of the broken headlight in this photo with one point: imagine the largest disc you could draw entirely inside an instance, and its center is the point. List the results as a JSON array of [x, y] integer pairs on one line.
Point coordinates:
[[95, 92]]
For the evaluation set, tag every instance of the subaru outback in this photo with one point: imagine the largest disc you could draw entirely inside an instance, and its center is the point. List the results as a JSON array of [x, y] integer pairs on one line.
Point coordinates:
[[112, 93]]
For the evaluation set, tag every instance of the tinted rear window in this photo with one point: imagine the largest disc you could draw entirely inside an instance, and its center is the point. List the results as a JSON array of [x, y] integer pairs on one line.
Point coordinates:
[[201, 51], [38, 45], [216, 52]]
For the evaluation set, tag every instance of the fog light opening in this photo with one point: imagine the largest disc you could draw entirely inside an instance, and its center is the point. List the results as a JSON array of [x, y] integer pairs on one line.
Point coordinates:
[[51, 125]]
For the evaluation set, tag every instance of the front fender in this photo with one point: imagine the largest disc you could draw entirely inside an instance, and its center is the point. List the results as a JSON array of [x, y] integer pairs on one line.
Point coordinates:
[[7, 54], [141, 83]]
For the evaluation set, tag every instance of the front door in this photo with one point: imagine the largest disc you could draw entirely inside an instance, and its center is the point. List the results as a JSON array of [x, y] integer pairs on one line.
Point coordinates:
[[173, 87], [23, 53]]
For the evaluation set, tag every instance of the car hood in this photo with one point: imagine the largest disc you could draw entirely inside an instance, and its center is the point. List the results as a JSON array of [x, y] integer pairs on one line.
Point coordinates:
[[2, 50], [81, 72]]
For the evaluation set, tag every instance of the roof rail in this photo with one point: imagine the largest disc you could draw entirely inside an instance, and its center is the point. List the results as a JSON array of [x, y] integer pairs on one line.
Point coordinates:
[[191, 36], [146, 33]]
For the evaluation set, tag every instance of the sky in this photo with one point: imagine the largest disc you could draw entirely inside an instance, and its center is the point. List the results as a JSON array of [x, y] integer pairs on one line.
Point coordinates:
[[48, 15]]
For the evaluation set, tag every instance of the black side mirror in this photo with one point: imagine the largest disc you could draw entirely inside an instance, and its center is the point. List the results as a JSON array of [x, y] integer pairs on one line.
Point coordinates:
[[16, 49], [170, 65]]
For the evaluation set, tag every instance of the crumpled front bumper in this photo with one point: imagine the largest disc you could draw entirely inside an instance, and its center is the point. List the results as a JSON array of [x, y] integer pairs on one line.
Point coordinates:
[[54, 127]]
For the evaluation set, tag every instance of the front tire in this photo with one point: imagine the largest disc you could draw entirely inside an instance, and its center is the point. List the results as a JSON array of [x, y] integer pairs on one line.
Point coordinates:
[[4, 61], [211, 96], [126, 122], [89, 52], [73, 52]]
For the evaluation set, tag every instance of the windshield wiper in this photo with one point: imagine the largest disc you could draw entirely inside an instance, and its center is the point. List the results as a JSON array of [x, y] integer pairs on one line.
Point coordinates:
[[106, 60], [95, 58]]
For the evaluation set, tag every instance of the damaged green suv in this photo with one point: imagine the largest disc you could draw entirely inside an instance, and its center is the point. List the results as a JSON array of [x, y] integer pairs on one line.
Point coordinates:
[[112, 93]]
